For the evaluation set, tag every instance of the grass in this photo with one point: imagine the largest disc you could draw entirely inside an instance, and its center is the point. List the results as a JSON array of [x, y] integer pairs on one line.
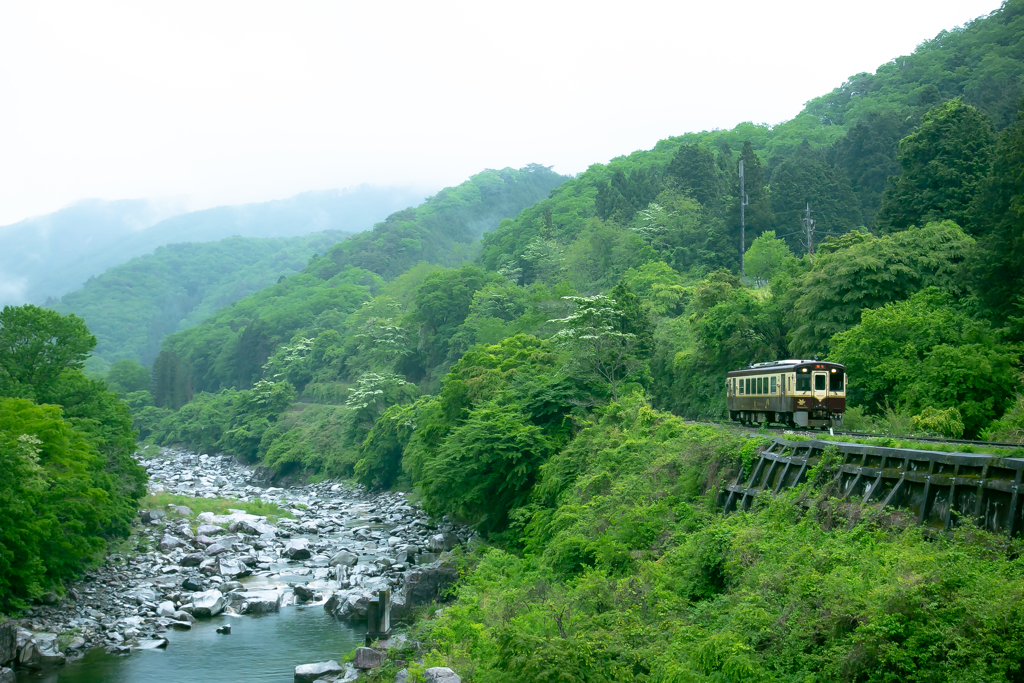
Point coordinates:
[[895, 442], [218, 506]]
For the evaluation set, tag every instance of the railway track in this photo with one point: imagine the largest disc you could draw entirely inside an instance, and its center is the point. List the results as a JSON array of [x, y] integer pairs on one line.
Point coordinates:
[[864, 435]]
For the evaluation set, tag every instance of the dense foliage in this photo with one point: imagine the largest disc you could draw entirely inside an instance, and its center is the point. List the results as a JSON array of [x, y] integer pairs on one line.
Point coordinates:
[[66, 443]]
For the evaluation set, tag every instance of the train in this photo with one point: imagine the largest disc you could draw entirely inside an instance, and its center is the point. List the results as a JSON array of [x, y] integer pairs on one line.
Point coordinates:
[[798, 393]]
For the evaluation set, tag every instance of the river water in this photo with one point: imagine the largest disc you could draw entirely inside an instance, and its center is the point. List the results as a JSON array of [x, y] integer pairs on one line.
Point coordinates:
[[260, 649]]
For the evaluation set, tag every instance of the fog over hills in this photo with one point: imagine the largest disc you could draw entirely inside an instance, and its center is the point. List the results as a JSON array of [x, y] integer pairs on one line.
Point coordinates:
[[48, 256]]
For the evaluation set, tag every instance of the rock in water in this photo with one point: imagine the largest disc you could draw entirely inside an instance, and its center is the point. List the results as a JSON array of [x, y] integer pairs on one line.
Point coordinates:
[[441, 674], [344, 558], [154, 644], [368, 658], [207, 604], [260, 602], [307, 673], [224, 630], [297, 549], [234, 568], [303, 592]]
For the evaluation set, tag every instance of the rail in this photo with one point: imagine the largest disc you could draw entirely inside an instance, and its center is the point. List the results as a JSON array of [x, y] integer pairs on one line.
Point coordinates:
[[943, 490]]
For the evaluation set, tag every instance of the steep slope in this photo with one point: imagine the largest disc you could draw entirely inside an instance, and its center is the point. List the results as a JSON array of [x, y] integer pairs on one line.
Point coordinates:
[[51, 255], [132, 307]]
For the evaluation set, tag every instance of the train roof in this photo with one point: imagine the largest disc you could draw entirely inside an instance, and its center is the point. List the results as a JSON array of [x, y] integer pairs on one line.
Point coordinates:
[[784, 365]]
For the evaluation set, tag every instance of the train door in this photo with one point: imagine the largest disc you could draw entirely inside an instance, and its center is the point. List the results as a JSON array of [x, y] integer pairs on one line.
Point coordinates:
[[820, 386]]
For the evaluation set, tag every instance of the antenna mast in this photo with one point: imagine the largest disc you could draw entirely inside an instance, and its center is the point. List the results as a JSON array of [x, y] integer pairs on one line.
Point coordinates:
[[809, 225], [743, 223]]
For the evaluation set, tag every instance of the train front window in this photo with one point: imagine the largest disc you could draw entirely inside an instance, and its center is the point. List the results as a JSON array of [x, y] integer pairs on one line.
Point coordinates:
[[838, 379], [819, 382], [803, 382]]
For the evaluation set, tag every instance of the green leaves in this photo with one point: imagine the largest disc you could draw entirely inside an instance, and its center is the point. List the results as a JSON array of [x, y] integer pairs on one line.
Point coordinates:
[[928, 354], [37, 346], [869, 274], [943, 164]]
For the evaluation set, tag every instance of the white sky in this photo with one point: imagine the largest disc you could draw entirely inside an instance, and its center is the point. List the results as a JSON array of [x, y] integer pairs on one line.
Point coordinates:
[[226, 102]]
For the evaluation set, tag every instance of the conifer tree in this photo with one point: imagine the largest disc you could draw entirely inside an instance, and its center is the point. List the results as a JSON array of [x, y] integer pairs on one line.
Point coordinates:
[[943, 165]]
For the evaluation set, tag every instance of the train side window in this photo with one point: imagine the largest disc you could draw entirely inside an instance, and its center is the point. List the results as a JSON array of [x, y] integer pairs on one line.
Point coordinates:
[[838, 378], [773, 384], [819, 382], [803, 382], [740, 383]]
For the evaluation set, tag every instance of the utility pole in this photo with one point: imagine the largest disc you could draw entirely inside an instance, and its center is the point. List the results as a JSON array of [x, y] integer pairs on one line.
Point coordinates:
[[743, 224], [809, 226]]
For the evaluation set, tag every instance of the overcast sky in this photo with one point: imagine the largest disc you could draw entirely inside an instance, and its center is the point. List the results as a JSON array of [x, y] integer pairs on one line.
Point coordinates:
[[226, 102]]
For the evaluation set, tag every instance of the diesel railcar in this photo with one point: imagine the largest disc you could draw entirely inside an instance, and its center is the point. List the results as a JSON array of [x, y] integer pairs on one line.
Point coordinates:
[[798, 393]]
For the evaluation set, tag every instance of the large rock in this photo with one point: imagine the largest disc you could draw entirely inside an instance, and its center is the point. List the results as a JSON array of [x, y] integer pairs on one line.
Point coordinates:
[[192, 560], [8, 642], [209, 530], [6, 675], [234, 568], [423, 585], [207, 604], [40, 651], [297, 549], [349, 605], [307, 673], [148, 516], [368, 658], [259, 602], [441, 674], [165, 609], [169, 542], [215, 549], [344, 558]]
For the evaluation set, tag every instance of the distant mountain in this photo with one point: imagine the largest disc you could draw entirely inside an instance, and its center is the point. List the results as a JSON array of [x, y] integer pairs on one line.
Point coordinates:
[[48, 256], [133, 306]]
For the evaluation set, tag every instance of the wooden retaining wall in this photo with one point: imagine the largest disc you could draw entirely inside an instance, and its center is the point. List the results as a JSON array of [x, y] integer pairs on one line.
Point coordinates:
[[942, 489]]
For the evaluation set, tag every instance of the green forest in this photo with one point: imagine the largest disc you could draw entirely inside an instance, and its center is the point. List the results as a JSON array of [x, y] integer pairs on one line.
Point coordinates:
[[523, 352], [132, 307]]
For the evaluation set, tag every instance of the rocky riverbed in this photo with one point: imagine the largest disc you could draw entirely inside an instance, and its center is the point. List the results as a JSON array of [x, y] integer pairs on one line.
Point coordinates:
[[342, 545]]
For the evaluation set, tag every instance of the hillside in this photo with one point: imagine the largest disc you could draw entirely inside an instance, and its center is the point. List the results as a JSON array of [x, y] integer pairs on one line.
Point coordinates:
[[49, 256], [230, 348], [133, 306]]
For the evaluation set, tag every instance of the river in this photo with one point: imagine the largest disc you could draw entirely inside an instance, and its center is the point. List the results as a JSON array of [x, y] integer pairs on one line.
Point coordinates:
[[260, 649]]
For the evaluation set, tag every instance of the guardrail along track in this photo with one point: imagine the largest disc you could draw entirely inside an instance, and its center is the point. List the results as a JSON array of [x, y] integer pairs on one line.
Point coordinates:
[[942, 489]]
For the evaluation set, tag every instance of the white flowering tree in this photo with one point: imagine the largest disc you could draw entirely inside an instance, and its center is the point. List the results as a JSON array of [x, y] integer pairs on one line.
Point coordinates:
[[598, 348]]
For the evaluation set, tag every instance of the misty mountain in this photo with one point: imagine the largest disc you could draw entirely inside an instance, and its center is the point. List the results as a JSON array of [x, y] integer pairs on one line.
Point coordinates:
[[48, 256]]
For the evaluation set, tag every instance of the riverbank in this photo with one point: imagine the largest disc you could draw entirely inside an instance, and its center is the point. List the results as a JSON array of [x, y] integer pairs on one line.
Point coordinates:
[[334, 546]]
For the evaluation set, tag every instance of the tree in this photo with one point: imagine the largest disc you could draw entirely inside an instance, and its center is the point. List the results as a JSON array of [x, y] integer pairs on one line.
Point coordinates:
[[868, 155], [766, 256], [925, 353], [695, 173], [37, 346], [997, 266], [603, 343], [486, 467], [755, 184], [942, 164], [805, 178], [868, 274], [127, 375]]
